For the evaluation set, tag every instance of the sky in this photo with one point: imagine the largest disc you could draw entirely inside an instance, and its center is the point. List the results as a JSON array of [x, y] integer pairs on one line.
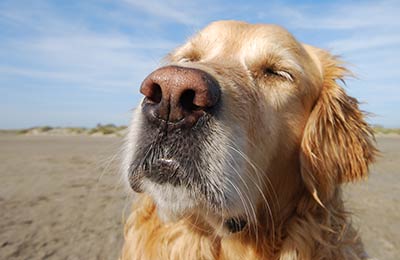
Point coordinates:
[[80, 63]]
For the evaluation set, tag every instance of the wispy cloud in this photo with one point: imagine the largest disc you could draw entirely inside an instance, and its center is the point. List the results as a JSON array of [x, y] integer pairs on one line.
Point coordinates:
[[183, 12], [334, 15], [71, 52], [95, 61], [362, 42]]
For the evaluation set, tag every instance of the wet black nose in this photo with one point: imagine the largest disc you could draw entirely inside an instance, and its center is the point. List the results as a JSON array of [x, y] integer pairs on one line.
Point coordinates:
[[179, 95]]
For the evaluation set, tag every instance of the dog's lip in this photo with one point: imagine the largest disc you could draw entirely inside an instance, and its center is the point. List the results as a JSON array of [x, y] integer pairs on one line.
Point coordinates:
[[167, 161], [164, 170]]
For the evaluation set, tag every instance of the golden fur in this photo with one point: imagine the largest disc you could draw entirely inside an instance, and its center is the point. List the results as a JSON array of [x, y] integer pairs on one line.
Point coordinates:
[[314, 139]]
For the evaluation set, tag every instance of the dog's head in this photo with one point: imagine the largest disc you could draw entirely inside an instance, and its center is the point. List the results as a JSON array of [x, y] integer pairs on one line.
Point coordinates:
[[240, 117]]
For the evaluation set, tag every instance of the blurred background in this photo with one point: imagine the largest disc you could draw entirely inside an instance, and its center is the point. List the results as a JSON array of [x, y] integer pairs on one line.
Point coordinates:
[[69, 77]]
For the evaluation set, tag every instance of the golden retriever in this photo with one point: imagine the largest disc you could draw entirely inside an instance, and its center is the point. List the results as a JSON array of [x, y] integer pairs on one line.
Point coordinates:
[[239, 150]]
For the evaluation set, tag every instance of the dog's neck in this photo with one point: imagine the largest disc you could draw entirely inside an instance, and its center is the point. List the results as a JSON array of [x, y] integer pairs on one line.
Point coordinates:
[[284, 176], [299, 215], [149, 238]]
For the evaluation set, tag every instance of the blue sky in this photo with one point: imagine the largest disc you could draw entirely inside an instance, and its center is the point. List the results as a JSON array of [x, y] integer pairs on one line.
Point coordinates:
[[79, 63]]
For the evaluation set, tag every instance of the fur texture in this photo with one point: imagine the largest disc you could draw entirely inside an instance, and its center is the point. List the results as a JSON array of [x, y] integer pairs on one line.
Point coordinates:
[[285, 139]]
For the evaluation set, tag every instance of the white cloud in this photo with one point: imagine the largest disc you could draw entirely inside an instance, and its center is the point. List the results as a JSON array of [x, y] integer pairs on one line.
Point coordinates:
[[95, 61], [184, 12], [337, 16], [85, 80], [365, 42], [61, 51]]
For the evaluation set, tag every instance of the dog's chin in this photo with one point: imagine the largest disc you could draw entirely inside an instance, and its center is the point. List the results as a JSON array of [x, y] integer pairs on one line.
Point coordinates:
[[173, 202], [177, 203]]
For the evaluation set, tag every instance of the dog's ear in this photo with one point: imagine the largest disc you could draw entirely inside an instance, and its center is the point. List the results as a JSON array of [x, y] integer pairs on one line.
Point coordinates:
[[338, 144]]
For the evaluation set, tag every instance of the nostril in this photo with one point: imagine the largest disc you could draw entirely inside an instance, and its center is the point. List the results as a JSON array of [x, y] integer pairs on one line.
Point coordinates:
[[179, 95], [155, 94], [187, 99]]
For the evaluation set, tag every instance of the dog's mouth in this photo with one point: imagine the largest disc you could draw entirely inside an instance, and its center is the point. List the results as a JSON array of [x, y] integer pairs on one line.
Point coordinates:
[[168, 157], [165, 170], [178, 178]]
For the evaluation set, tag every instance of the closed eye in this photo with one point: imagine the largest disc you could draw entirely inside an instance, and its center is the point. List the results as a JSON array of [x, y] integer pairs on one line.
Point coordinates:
[[278, 73], [185, 59], [190, 57]]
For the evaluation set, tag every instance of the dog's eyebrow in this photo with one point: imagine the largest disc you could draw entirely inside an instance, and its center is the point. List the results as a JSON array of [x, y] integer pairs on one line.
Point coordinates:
[[273, 55], [287, 59]]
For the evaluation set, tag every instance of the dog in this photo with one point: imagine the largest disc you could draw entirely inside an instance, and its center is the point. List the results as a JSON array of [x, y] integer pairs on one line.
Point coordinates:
[[239, 150]]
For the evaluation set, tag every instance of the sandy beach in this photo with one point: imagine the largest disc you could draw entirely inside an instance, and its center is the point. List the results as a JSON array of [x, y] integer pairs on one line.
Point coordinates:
[[61, 197]]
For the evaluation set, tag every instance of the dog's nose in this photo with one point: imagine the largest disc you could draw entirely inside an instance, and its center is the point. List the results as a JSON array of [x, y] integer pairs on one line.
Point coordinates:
[[178, 94]]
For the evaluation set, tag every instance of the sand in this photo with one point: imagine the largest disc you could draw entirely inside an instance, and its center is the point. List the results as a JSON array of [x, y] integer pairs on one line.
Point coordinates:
[[61, 197]]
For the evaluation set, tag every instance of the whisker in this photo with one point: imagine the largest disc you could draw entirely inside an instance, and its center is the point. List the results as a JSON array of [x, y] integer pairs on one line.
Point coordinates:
[[254, 221], [257, 172], [242, 199]]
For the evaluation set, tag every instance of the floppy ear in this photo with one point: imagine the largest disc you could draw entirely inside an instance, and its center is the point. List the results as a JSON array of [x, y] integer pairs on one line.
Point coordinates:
[[337, 145]]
